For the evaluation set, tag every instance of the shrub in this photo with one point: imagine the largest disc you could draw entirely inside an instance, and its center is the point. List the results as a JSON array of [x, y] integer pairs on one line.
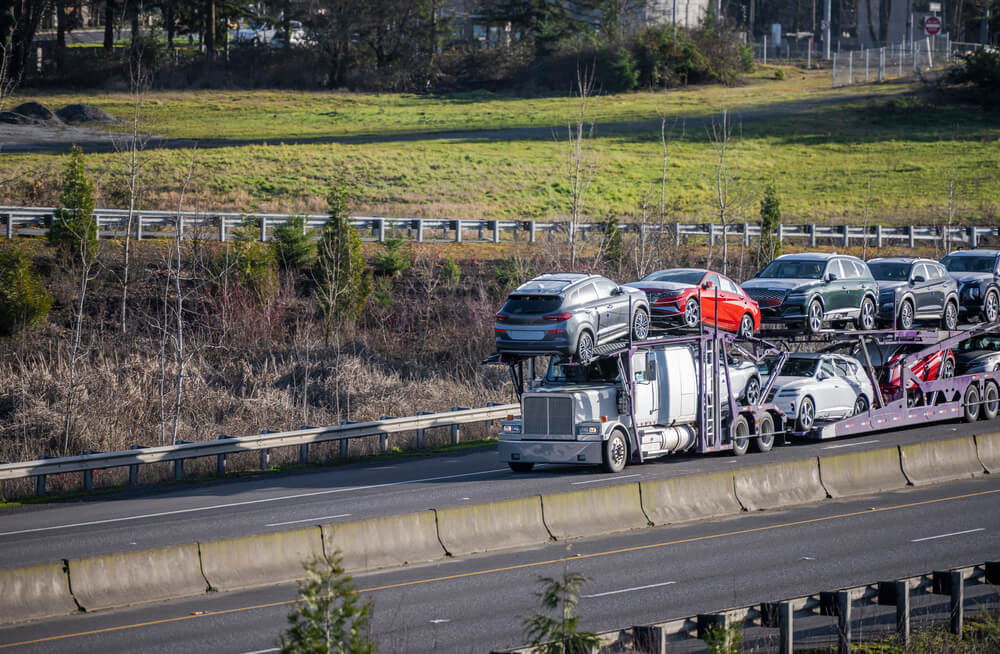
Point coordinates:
[[24, 302], [344, 282], [666, 57], [981, 69], [452, 272], [292, 246], [394, 257], [73, 227], [617, 70], [252, 262]]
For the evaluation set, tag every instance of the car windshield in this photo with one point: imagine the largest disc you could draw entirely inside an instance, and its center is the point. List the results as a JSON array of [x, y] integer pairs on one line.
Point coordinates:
[[969, 264], [692, 277], [602, 370], [526, 304], [794, 269], [890, 271], [799, 367], [987, 343]]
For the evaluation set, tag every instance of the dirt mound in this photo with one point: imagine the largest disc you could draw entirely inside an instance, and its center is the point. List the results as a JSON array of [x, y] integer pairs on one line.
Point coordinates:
[[12, 118], [84, 113], [36, 110]]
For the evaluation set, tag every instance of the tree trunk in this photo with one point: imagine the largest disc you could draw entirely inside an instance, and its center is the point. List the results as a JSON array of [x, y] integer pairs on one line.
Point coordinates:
[[60, 9], [169, 20], [109, 24], [210, 28]]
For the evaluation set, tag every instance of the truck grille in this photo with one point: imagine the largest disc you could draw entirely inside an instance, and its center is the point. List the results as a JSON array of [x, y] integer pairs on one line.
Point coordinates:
[[548, 416]]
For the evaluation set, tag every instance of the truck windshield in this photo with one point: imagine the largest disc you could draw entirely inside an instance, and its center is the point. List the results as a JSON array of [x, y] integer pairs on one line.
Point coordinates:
[[890, 272], [602, 370], [799, 367], [969, 264], [801, 269]]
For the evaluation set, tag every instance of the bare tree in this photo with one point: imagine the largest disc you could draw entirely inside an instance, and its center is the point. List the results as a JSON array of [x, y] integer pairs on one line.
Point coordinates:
[[581, 167], [722, 134], [867, 218], [8, 82], [179, 306]]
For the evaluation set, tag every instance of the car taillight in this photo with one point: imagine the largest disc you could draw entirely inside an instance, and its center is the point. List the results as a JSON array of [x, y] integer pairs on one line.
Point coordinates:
[[558, 316], [502, 317]]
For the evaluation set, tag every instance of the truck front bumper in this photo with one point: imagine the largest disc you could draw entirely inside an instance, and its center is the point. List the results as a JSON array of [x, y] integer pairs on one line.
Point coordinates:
[[579, 452]]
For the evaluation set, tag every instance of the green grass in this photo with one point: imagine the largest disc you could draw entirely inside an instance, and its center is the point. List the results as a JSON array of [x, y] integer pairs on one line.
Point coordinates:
[[280, 151]]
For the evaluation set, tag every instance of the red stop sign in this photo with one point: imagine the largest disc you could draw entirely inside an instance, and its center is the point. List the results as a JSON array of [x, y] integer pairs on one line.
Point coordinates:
[[932, 25]]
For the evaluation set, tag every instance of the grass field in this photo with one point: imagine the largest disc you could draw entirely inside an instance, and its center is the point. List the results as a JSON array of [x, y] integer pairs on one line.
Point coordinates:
[[888, 151]]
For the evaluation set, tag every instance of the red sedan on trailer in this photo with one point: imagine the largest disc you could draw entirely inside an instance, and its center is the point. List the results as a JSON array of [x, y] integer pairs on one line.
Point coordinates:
[[673, 298]]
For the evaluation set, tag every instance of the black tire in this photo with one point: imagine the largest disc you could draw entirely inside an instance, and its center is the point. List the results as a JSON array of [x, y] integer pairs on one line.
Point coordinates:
[[807, 415], [867, 318], [751, 394], [741, 436], [861, 405], [991, 401], [765, 435], [615, 452], [991, 306], [692, 313], [640, 325], [947, 368], [971, 403], [949, 320], [584, 348], [814, 317], [521, 466], [746, 326], [905, 320]]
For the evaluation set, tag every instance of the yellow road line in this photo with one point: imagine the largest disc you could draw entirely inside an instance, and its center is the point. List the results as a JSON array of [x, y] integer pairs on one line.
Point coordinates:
[[576, 557]]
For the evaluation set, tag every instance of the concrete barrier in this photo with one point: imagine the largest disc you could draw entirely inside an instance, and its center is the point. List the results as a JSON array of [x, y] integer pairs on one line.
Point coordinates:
[[862, 473], [492, 526], [937, 461], [593, 511], [34, 591], [776, 485], [101, 582], [988, 447], [260, 559], [383, 542], [691, 497]]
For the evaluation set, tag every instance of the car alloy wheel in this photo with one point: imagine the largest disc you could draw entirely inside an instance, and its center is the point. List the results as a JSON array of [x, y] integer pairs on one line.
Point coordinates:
[[584, 348], [640, 325], [691, 311], [807, 414], [947, 368], [906, 315], [746, 326], [814, 317], [752, 393], [950, 321], [860, 405], [991, 307], [867, 319]]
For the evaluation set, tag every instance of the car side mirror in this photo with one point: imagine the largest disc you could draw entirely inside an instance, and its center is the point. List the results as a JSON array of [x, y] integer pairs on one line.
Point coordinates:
[[919, 278], [618, 291], [707, 285], [831, 277]]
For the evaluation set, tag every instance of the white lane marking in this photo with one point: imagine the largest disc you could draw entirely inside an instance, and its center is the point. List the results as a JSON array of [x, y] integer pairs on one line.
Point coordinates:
[[196, 509], [265, 651], [439, 620], [597, 481], [954, 533], [325, 517], [628, 590], [834, 447], [384, 468], [807, 558]]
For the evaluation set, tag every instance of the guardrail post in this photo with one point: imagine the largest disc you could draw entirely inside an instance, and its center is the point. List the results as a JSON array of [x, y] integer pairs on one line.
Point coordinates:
[[10, 226], [496, 231], [878, 236], [912, 236], [847, 236], [649, 639], [380, 225], [812, 235], [458, 230], [265, 454], [138, 228], [786, 628], [420, 432], [746, 235], [383, 439], [263, 229], [220, 459], [133, 470], [420, 230], [40, 479], [454, 428], [951, 583], [677, 234], [304, 447], [531, 231], [973, 238], [343, 441], [838, 603], [222, 229], [897, 593], [179, 464], [88, 475]]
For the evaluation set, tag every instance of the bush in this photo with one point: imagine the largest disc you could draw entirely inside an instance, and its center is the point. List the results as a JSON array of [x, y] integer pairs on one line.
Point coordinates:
[[667, 57], [616, 70], [252, 262], [981, 69], [394, 257], [292, 246], [24, 302], [73, 227]]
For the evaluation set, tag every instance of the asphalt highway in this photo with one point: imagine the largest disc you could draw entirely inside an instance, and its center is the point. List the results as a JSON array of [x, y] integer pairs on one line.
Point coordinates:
[[189, 512], [477, 603]]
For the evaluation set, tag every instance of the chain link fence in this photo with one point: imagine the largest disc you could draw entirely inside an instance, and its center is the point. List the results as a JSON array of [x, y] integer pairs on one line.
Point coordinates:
[[894, 60]]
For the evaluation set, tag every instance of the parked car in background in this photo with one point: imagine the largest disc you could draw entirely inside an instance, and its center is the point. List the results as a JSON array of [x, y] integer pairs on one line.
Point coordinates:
[[569, 313], [673, 299], [887, 362], [913, 290], [811, 289], [979, 354], [814, 387], [978, 275]]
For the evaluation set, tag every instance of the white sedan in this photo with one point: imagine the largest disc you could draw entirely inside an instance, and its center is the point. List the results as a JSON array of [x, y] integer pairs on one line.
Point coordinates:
[[815, 387]]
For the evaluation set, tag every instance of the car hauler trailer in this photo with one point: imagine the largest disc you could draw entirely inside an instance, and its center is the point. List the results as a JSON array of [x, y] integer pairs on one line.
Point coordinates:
[[641, 400]]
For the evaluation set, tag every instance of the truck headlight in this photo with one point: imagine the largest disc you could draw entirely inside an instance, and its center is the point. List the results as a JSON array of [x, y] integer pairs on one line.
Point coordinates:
[[588, 429], [511, 428]]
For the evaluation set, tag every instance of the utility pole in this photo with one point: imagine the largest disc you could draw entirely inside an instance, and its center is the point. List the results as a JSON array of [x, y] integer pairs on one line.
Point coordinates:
[[826, 28]]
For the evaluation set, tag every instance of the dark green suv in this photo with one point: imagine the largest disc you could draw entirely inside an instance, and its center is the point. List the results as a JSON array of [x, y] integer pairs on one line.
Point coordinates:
[[810, 289]]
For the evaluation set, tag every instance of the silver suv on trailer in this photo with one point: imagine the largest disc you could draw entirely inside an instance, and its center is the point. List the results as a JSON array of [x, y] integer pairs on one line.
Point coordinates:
[[569, 313]]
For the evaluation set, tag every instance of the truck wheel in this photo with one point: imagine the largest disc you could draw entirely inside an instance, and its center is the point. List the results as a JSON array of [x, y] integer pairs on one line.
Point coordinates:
[[991, 401], [615, 452], [584, 348], [640, 325], [741, 436], [814, 317], [521, 466], [971, 403], [950, 319], [807, 415], [765, 434]]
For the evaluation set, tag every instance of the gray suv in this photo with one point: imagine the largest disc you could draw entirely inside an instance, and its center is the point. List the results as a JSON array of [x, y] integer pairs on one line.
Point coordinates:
[[570, 313]]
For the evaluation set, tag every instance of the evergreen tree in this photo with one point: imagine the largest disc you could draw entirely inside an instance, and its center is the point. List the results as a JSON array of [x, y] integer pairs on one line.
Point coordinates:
[[329, 616], [344, 282], [24, 302], [291, 244], [769, 247], [73, 226]]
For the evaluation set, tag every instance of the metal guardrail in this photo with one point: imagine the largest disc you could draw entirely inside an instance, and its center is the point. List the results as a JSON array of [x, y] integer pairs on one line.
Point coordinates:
[[35, 221], [263, 443], [654, 638]]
